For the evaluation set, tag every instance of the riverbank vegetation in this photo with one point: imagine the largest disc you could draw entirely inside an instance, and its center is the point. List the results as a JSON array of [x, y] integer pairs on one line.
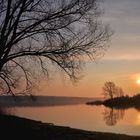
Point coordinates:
[[123, 102]]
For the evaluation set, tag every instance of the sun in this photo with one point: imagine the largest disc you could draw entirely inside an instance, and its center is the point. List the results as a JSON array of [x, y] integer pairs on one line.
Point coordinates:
[[138, 81]]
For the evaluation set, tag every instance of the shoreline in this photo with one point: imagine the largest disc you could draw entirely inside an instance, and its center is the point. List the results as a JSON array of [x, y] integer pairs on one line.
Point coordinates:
[[14, 127]]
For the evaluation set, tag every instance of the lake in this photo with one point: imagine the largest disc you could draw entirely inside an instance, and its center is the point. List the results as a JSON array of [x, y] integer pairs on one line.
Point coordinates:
[[82, 116]]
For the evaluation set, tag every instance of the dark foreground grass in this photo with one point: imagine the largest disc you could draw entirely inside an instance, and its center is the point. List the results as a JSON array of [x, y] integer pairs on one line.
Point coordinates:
[[16, 128]]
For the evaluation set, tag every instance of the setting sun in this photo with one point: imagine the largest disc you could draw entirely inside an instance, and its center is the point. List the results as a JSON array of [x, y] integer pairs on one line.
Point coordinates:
[[138, 81]]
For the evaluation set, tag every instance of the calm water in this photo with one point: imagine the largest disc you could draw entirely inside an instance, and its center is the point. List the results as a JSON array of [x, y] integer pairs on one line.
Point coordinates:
[[94, 118]]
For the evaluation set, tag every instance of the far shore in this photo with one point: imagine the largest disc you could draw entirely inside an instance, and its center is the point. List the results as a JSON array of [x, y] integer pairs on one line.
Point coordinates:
[[13, 127], [25, 101], [123, 102]]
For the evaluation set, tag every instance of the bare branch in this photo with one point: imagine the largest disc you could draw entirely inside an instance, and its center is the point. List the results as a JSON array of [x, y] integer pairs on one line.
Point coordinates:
[[62, 32]]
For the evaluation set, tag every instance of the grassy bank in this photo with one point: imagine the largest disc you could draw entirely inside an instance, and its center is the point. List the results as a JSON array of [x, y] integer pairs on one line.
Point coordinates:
[[12, 127]]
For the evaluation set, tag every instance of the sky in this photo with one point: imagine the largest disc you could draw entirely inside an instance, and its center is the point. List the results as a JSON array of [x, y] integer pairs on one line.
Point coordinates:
[[121, 62]]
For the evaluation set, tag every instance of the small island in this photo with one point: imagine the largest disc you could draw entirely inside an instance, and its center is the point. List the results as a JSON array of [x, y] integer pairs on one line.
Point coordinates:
[[120, 101], [123, 102]]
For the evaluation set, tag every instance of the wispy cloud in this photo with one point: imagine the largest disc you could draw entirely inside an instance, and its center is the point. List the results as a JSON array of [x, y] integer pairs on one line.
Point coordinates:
[[122, 58], [123, 17]]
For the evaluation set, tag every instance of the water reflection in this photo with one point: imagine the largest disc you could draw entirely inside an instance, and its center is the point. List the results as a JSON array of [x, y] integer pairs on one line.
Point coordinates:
[[75, 113], [93, 118], [111, 116]]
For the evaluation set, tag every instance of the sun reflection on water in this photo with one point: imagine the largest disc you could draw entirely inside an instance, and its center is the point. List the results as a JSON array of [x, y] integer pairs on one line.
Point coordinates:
[[138, 119]]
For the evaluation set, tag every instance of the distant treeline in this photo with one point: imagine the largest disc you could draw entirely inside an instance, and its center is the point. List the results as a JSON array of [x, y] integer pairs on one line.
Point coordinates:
[[123, 102]]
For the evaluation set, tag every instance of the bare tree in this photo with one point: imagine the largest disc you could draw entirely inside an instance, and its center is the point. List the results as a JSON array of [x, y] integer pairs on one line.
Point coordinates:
[[37, 33], [109, 90], [120, 92]]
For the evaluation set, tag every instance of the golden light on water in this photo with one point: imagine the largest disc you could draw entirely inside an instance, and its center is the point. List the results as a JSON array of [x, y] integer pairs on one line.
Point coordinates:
[[138, 120], [138, 81], [139, 116]]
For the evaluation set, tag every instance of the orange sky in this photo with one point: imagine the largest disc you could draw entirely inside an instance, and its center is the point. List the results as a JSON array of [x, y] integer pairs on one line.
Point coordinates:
[[121, 63]]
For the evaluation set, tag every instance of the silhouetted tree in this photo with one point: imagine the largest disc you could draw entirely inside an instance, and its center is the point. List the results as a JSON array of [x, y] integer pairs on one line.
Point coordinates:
[[37, 33], [110, 90], [120, 92]]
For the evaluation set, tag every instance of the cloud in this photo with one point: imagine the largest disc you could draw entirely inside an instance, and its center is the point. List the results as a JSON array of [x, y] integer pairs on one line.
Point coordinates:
[[122, 14], [122, 57], [123, 17]]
